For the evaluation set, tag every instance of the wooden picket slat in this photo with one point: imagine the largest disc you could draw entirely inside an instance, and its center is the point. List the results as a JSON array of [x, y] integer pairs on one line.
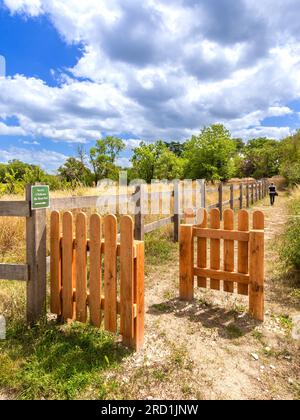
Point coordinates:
[[258, 220], [110, 273], [95, 270], [139, 297], [127, 280], [243, 247], [55, 264], [68, 269], [215, 248], [256, 288], [186, 266], [202, 247], [228, 250], [81, 267]]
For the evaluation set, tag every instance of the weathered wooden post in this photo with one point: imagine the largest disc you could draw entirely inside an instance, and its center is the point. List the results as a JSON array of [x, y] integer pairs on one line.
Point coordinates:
[[36, 254], [203, 194], [177, 211], [221, 199], [139, 225], [186, 263], [247, 196], [241, 196], [252, 194], [232, 197]]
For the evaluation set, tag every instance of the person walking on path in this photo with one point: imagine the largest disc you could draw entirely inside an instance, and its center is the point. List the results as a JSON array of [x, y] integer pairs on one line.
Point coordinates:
[[272, 193]]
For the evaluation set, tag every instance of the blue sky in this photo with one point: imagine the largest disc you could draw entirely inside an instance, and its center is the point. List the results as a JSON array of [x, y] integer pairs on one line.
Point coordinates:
[[77, 71]]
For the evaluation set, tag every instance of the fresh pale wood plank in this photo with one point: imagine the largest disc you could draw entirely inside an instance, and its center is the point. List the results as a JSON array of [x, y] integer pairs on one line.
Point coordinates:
[[202, 248], [221, 275], [228, 249], [215, 248], [234, 235], [55, 264], [139, 295], [17, 272], [127, 280], [258, 220], [81, 267], [243, 250], [256, 288], [110, 273], [14, 208], [95, 270], [186, 264], [257, 270], [68, 267]]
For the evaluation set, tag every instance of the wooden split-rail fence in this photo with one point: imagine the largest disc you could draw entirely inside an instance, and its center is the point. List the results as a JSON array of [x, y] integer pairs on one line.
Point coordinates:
[[243, 273], [95, 277], [35, 268]]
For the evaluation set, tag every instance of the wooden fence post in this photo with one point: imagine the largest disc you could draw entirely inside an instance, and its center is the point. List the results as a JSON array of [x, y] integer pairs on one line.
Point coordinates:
[[203, 194], [247, 196], [186, 263], [177, 211], [252, 194], [256, 267], [241, 196], [139, 225], [36, 260], [232, 197], [221, 200], [139, 295], [256, 191]]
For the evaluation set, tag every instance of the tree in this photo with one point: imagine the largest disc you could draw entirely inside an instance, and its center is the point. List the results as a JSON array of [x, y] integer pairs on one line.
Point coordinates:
[[103, 157], [168, 166], [290, 158], [210, 154], [261, 158], [155, 161], [75, 172], [176, 147]]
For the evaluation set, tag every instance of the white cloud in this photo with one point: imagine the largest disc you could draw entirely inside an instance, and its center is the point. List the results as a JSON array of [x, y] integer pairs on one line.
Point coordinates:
[[47, 159], [124, 162], [162, 70], [6, 130], [30, 7], [32, 143]]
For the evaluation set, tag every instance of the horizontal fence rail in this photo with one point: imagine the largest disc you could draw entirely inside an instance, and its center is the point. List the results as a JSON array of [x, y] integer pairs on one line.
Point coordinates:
[[18, 272], [14, 209], [242, 273], [85, 281]]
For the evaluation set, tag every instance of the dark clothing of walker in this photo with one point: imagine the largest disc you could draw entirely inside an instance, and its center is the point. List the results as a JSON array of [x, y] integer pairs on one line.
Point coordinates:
[[273, 194]]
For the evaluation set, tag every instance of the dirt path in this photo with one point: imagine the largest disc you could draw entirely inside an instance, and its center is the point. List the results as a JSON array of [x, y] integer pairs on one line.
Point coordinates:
[[211, 349]]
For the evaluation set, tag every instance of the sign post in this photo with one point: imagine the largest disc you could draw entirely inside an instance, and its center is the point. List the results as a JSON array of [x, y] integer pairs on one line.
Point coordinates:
[[36, 244], [40, 197]]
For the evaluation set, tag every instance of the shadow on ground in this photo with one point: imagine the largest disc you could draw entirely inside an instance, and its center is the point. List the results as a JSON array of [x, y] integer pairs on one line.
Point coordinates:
[[230, 324]]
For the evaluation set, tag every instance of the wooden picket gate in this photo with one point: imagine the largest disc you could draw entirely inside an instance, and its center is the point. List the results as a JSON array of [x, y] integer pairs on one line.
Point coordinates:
[[84, 273], [249, 273]]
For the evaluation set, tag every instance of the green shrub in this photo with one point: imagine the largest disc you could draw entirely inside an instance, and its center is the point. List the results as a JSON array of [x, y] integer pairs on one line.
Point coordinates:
[[290, 246]]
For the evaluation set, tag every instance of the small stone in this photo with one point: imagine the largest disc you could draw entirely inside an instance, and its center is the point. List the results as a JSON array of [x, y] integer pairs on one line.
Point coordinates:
[[290, 381], [255, 356], [272, 367], [267, 349], [262, 368]]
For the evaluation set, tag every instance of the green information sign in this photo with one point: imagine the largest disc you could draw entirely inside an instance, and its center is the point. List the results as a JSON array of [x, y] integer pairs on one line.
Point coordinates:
[[40, 197]]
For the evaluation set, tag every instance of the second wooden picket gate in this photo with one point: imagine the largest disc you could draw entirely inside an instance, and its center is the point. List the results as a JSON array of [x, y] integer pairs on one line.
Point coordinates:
[[85, 275], [249, 273]]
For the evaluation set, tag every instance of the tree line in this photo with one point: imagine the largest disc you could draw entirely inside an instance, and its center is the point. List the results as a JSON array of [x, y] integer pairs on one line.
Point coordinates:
[[213, 155]]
